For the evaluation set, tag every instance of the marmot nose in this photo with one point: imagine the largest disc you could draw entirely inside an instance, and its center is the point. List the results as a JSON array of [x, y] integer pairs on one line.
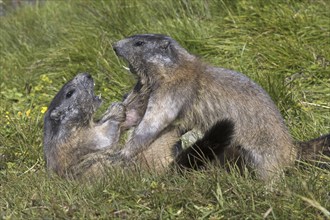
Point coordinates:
[[114, 48], [87, 75]]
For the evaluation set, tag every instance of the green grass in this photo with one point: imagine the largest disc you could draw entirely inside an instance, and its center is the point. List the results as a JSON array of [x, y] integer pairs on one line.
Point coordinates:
[[283, 45]]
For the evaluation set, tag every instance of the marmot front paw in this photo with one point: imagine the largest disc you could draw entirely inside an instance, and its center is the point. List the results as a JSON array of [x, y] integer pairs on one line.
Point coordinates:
[[115, 112]]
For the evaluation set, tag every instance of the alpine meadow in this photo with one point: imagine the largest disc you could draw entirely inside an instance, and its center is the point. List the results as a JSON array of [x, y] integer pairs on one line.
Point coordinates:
[[282, 45]]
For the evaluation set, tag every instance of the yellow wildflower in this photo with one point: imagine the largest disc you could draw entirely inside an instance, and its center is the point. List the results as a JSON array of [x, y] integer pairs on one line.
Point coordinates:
[[45, 78], [39, 88], [153, 185], [43, 109], [19, 114], [28, 112]]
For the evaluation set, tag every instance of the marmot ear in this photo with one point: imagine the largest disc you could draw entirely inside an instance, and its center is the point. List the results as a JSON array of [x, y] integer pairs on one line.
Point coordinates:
[[165, 44]]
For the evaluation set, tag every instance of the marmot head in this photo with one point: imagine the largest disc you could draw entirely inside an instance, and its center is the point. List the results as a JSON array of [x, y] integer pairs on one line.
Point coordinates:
[[72, 107], [147, 54]]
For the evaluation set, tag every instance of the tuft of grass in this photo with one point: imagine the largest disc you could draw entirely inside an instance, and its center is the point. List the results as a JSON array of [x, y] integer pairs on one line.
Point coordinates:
[[282, 45]]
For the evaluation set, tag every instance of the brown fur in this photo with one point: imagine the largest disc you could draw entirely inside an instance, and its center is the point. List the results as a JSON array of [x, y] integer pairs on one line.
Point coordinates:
[[316, 151], [162, 152], [189, 94], [76, 146]]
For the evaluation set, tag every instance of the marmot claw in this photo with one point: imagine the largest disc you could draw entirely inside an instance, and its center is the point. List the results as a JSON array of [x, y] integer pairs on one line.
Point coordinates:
[[115, 112]]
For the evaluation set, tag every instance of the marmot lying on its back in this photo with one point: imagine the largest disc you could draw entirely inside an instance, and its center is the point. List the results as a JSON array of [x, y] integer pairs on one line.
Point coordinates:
[[75, 145]]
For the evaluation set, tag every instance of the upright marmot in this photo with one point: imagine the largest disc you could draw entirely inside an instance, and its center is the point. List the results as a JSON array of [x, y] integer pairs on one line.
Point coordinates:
[[185, 94]]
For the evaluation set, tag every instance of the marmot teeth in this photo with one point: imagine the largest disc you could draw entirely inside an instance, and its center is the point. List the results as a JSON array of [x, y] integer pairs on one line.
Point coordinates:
[[126, 68]]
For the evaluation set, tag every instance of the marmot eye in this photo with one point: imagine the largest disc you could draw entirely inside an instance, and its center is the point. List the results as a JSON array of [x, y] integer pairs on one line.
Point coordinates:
[[139, 43], [69, 94]]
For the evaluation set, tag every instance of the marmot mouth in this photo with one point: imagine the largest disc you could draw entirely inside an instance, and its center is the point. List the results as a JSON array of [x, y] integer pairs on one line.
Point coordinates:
[[126, 68], [96, 98], [129, 68]]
